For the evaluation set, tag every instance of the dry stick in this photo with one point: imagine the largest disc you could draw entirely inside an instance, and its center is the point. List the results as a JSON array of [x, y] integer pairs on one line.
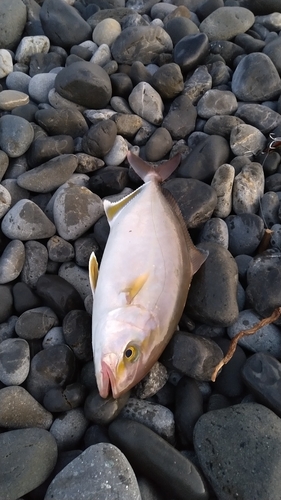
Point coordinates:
[[233, 344]]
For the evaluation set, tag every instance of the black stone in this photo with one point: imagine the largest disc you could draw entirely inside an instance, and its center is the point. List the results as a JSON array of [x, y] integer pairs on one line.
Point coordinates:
[[229, 382], [44, 63], [100, 138], [59, 399], [180, 27], [191, 51], [176, 121], [188, 408], [24, 297], [77, 331], [6, 303], [71, 121], [45, 148], [121, 84], [102, 411], [109, 180], [228, 50], [58, 294], [245, 233]]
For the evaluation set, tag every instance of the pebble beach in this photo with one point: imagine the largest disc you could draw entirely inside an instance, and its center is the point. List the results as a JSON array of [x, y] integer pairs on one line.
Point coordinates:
[[82, 83]]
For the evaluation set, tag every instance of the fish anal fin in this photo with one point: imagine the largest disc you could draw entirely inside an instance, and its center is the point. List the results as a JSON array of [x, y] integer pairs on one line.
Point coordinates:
[[134, 287], [197, 256], [93, 271], [112, 209], [147, 172]]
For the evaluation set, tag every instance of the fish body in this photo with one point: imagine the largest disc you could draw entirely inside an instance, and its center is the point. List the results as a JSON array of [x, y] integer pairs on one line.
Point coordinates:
[[142, 285]]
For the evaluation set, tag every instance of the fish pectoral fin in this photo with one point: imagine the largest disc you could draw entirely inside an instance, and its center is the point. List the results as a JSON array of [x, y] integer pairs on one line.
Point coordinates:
[[134, 287], [113, 208], [93, 271], [197, 258]]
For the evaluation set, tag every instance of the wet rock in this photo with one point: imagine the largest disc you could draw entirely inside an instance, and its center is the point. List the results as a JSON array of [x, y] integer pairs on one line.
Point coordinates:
[[188, 408], [102, 411], [191, 51], [259, 116], [229, 381], [197, 84], [35, 323], [100, 138], [35, 264], [19, 410], [245, 233], [212, 295], [45, 148], [168, 81], [246, 139], [221, 125], [77, 331], [158, 145], [61, 400], [60, 250], [216, 231]]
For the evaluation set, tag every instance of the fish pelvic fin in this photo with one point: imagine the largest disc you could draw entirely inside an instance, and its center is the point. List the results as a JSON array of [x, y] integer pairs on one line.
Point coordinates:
[[147, 172], [93, 271], [197, 256], [134, 287], [112, 209]]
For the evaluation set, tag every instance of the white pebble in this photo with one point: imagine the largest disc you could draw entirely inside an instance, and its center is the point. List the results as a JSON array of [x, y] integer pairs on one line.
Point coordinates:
[[30, 45], [6, 63], [118, 152]]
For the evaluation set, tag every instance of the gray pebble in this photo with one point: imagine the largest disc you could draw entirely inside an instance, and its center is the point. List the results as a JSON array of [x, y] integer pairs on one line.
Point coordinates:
[[153, 382], [175, 120], [260, 116], [13, 15], [147, 103], [69, 428], [106, 31], [215, 229], [118, 152], [199, 83], [19, 410], [26, 221], [246, 139], [216, 102], [16, 135], [11, 261], [269, 206], [222, 182], [18, 81], [7, 328], [4, 163], [35, 264], [275, 239], [60, 250], [31, 45], [248, 188], [53, 337], [76, 276], [35, 323], [40, 86], [14, 361], [101, 471], [5, 201], [102, 55], [245, 233], [267, 339], [76, 209], [225, 23], [11, 99]]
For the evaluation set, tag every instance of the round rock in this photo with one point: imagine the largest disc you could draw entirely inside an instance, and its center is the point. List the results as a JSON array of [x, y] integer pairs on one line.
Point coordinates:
[[11, 261], [246, 139], [14, 361], [35, 323], [175, 121], [18, 409], [147, 103], [222, 182], [225, 23], [16, 135], [26, 221], [106, 31], [245, 233], [216, 102], [13, 15], [248, 189], [191, 51]]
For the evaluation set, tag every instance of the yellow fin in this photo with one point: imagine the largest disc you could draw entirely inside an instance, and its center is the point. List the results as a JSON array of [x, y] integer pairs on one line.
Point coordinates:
[[134, 288], [113, 209], [93, 271]]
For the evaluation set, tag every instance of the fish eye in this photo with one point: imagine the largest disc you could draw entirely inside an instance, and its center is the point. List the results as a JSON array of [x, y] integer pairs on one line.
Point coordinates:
[[131, 353]]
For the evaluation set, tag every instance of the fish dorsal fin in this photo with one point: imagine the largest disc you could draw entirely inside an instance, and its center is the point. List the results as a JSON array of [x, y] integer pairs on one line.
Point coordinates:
[[93, 271], [112, 209], [134, 287], [197, 257], [147, 172]]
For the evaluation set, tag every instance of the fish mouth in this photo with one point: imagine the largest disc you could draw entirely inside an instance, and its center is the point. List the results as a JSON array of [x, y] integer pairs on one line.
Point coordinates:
[[106, 382]]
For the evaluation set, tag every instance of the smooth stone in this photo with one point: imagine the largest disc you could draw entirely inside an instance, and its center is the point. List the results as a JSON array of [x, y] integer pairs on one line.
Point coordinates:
[[99, 140], [179, 27], [269, 162], [233, 443], [275, 239], [4, 163], [246, 139], [212, 296], [10, 99], [102, 56], [35, 264], [245, 233], [16, 135], [153, 382], [102, 411], [26, 221], [61, 399], [118, 13], [63, 426], [53, 337], [197, 84], [40, 86], [253, 68], [221, 125], [33, 453], [35, 323], [106, 31], [155, 417], [70, 121], [195, 199], [205, 159], [222, 183], [13, 15], [109, 181], [11, 261], [158, 460], [84, 83], [7, 327], [158, 145], [77, 277], [56, 16], [60, 250], [248, 189], [216, 102], [147, 103], [77, 331], [49, 175], [31, 45], [58, 294], [127, 125], [266, 339], [263, 291], [24, 297], [141, 43], [168, 81], [144, 133], [6, 304], [229, 381], [215, 230], [272, 49], [19, 410], [273, 182], [249, 43], [76, 209], [259, 116], [121, 84], [262, 375], [272, 21], [192, 355], [47, 62], [188, 408], [52, 367], [118, 152], [221, 75], [15, 191], [191, 51], [175, 120], [88, 163], [14, 361], [100, 471], [83, 248], [225, 23], [59, 102]]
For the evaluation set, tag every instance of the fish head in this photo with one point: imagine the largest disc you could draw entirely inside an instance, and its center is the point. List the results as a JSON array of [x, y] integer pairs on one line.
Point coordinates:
[[126, 352]]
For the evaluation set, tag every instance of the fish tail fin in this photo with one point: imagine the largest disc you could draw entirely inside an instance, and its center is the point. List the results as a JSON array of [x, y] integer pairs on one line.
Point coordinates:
[[147, 172]]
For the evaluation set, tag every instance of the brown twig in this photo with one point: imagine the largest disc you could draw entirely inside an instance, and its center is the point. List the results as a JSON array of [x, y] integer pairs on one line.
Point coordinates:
[[265, 241], [233, 344]]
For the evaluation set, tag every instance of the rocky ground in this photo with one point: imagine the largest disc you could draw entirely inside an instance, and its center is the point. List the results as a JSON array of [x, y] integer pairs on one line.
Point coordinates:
[[82, 84]]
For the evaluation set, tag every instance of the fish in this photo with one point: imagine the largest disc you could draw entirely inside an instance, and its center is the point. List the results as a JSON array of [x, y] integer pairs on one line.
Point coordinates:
[[141, 287]]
